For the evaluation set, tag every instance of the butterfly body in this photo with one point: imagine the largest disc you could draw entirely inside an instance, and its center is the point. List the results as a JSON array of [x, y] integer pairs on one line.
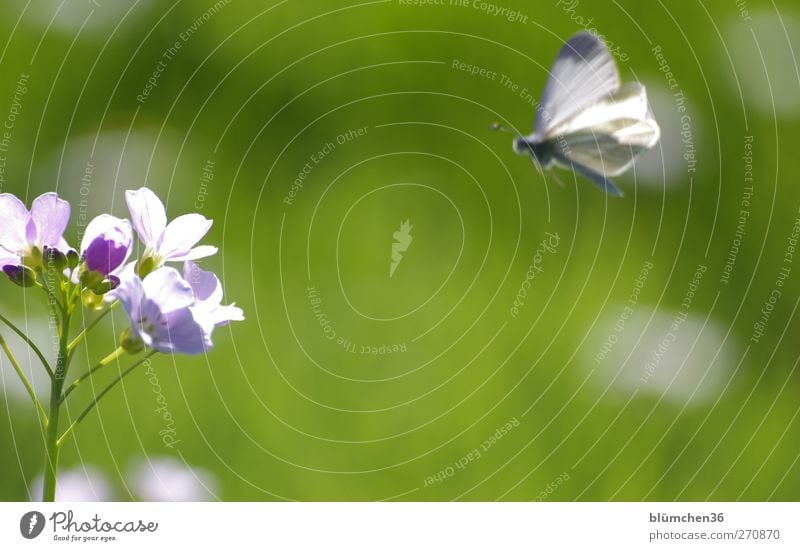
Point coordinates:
[[543, 152], [587, 120]]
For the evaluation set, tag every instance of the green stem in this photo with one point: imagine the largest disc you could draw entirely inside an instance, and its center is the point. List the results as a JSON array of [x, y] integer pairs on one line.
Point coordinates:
[[30, 343], [100, 396], [76, 341], [52, 445], [104, 362], [28, 387], [51, 296]]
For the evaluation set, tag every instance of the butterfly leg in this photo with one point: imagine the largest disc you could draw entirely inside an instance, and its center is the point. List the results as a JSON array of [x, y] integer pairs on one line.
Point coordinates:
[[558, 180]]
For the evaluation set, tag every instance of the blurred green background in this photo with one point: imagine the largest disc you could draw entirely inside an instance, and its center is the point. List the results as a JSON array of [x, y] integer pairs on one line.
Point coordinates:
[[428, 366]]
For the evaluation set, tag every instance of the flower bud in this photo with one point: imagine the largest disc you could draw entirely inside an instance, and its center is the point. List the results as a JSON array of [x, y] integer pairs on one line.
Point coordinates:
[[109, 284], [104, 256], [106, 244], [54, 259], [20, 275], [89, 280], [91, 300], [73, 259], [131, 342]]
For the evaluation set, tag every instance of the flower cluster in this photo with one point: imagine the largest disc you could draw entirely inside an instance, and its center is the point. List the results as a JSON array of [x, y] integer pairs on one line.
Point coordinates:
[[169, 311]]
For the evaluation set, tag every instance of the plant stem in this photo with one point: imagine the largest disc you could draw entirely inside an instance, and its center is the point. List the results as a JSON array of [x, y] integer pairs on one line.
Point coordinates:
[[51, 296], [52, 445], [104, 362], [28, 387], [29, 342], [89, 327], [100, 396]]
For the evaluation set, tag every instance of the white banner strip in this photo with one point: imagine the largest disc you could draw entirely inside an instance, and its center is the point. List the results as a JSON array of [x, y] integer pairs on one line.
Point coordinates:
[[400, 526]]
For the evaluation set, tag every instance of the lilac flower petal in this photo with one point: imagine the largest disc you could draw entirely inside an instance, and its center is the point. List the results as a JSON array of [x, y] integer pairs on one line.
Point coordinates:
[[147, 319], [206, 285], [13, 222], [104, 256], [148, 215], [131, 294], [31, 233], [143, 313], [168, 316], [208, 296], [107, 226], [63, 246], [51, 216], [184, 332], [168, 289], [222, 315], [158, 317], [106, 244], [124, 274], [7, 257], [203, 251], [182, 234]]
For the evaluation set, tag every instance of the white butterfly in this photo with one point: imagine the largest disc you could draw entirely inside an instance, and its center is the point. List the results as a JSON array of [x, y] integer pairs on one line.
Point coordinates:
[[587, 120]]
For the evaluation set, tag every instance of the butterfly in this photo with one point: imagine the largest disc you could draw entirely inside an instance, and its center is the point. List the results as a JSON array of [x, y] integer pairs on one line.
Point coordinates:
[[587, 120]]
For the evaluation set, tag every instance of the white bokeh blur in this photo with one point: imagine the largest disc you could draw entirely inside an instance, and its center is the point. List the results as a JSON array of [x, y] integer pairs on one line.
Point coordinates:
[[68, 17], [167, 479], [692, 369], [764, 52], [85, 483]]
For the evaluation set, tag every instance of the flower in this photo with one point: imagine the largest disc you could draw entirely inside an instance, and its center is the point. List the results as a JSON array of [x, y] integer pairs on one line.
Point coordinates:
[[160, 308], [24, 234], [208, 295], [106, 244], [173, 242]]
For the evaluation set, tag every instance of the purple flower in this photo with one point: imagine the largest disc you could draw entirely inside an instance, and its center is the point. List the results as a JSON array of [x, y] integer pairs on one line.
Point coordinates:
[[106, 244], [160, 308], [208, 296], [173, 242], [23, 233]]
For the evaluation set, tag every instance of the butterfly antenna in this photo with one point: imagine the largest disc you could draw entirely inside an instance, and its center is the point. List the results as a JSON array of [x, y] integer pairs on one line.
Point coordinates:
[[497, 127]]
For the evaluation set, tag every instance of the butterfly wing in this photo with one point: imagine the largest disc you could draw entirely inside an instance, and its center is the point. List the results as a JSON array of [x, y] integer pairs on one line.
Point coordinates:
[[599, 180], [583, 73], [607, 137]]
